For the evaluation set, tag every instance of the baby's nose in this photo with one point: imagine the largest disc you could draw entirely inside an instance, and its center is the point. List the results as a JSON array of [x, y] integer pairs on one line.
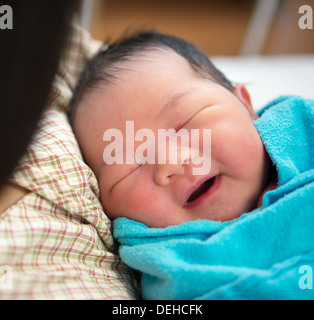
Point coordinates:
[[175, 165]]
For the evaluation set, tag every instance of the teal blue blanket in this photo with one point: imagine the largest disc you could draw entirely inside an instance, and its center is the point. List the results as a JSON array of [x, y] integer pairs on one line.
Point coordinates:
[[265, 254]]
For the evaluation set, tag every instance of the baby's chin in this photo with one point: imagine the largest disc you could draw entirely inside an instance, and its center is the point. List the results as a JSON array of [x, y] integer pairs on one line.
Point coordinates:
[[233, 208], [235, 214]]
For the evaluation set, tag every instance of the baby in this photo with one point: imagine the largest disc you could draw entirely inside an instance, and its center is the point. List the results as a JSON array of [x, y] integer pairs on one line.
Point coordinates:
[[156, 81]]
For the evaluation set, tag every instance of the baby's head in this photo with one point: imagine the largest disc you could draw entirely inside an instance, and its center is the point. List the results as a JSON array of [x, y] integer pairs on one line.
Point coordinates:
[[133, 91]]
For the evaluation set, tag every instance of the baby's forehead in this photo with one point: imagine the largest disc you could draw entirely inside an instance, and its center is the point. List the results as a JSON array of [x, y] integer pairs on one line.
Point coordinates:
[[136, 78], [152, 60]]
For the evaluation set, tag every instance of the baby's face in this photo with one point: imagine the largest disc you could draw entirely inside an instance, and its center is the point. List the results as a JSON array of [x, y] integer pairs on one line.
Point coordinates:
[[159, 90]]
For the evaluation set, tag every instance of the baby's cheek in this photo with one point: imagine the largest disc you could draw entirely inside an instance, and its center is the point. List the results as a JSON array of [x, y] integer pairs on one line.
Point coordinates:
[[141, 198], [150, 206], [255, 147], [253, 158], [246, 153]]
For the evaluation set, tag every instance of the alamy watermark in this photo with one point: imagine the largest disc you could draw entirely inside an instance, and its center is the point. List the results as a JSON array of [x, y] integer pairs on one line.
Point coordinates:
[[6, 17], [306, 280], [306, 19], [6, 278], [167, 147]]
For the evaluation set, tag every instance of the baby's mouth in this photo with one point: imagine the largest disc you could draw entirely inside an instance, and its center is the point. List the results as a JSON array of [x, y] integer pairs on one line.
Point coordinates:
[[200, 191]]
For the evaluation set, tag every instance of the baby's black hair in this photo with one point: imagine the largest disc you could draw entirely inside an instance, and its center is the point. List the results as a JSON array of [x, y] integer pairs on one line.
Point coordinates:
[[103, 67]]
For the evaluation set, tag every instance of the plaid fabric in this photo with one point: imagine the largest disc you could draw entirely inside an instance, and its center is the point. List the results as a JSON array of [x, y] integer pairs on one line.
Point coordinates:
[[56, 242]]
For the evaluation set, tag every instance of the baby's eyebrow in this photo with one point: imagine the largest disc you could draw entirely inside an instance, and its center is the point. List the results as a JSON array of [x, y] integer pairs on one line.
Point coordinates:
[[174, 99]]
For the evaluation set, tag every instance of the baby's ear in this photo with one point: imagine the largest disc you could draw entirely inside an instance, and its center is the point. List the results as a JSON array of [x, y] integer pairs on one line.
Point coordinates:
[[241, 92]]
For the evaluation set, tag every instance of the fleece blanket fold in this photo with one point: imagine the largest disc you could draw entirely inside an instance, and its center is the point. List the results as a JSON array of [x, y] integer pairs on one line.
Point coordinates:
[[265, 254]]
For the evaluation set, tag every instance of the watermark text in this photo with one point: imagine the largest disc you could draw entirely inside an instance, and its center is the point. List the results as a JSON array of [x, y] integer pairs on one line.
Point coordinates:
[[306, 19], [172, 147], [6, 17], [306, 280]]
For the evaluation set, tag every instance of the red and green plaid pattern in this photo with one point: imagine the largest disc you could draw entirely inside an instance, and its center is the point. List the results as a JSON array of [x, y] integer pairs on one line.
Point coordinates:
[[56, 242]]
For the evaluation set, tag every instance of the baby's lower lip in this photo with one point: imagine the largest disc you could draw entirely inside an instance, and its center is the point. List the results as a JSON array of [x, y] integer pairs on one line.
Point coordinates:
[[205, 195]]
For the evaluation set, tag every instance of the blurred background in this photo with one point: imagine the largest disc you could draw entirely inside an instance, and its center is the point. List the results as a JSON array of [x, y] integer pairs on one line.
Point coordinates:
[[217, 27]]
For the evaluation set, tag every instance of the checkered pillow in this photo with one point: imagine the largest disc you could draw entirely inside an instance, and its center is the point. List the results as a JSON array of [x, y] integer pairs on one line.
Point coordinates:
[[56, 242]]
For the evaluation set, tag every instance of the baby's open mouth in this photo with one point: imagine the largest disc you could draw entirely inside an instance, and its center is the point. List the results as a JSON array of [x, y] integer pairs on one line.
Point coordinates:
[[201, 190]]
